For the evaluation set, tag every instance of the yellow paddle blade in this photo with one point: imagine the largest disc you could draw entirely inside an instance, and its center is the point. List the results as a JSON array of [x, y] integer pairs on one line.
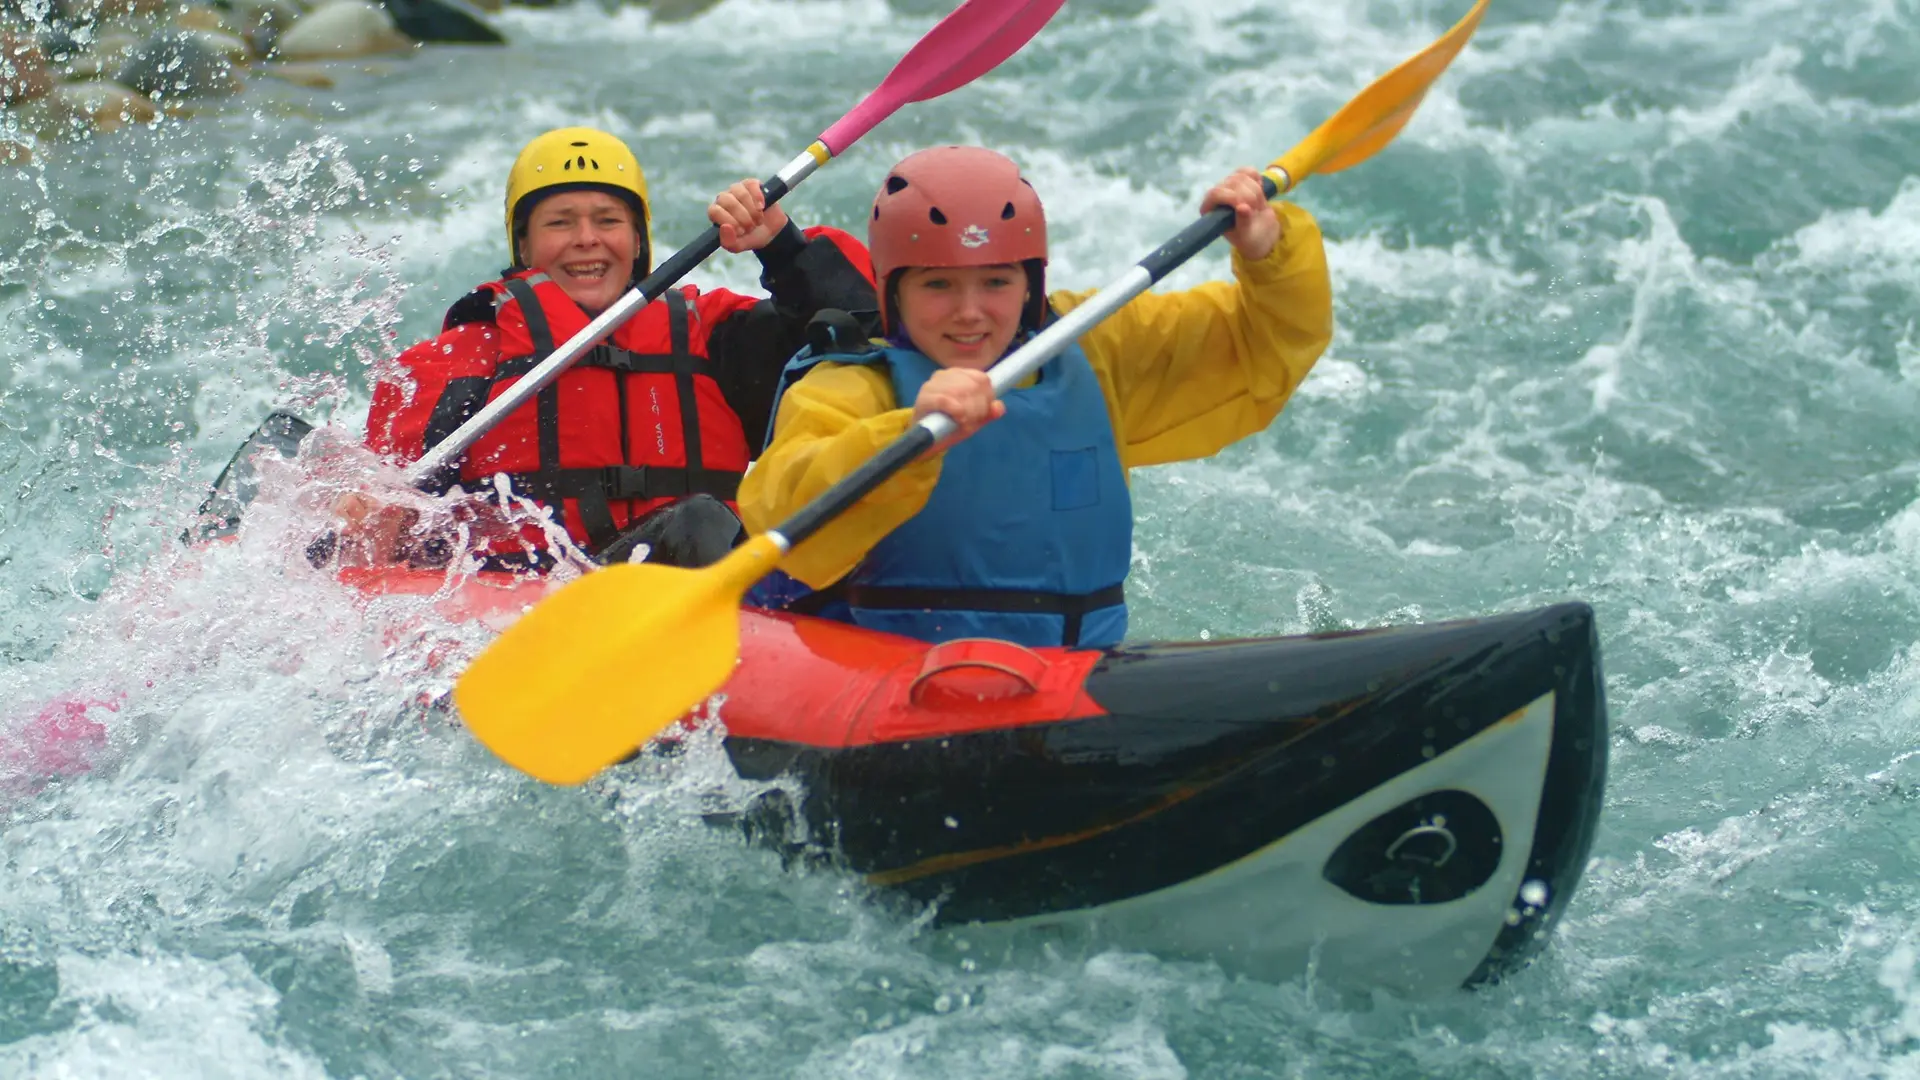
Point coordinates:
[[1370, 144], [1376, 114], [605, 663]]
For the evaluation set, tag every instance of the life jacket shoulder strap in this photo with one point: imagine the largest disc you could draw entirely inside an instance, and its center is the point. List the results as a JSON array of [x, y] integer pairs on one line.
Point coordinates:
[[538, 328], [809, 358], [686, 366]]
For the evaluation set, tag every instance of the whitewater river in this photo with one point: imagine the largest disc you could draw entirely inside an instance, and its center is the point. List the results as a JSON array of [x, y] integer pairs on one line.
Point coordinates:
[[1629, 314]]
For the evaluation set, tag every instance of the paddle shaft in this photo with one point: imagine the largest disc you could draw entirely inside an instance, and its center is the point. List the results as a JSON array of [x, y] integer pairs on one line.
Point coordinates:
[[650, 288], [1011, 370]]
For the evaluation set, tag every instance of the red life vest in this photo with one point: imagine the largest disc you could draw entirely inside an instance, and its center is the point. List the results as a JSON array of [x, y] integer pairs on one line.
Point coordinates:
[[634, 424]]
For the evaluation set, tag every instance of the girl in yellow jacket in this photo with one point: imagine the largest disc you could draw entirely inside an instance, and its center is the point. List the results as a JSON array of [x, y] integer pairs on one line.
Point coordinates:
[[1020, 527]]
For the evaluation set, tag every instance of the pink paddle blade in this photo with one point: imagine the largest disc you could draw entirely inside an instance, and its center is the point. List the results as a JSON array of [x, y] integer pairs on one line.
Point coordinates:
[[971, 41]]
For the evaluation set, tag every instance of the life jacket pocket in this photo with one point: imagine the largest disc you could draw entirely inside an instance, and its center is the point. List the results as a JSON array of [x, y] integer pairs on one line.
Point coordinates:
[[1076, 479]]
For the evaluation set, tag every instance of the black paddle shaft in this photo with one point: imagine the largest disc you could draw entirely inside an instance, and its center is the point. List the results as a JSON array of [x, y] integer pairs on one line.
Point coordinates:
[[875, 471], [1205, 229], [682, 262]]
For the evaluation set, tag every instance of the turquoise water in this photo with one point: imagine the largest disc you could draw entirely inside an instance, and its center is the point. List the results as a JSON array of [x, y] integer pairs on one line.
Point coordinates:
[[1627, 314]]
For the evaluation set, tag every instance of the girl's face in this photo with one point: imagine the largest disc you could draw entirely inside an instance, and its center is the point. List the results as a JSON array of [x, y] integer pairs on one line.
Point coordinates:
[[586, 242], [962, 316]]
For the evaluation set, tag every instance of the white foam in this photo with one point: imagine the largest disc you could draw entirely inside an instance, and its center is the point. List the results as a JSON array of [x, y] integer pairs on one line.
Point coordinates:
[[160, 1016], [1335, 379], [1767, 84], [816, 22], [1458, 275], [1864, 247]]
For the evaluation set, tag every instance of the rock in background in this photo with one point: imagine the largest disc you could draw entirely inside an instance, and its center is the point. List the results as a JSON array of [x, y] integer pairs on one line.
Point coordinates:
[[678, 10], [340, 29], [74, 68], [23, 70], [447, 22], [108, 106], [176, 64]]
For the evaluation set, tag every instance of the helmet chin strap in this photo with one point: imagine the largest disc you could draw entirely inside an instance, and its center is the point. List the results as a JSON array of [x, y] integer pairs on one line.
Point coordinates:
[[1034, 312]]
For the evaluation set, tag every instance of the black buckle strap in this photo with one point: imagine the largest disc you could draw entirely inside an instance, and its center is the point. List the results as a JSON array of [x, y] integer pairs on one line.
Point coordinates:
[[626, 482], [1012, 601], [1073, 606], [606, 356], [600, 356]]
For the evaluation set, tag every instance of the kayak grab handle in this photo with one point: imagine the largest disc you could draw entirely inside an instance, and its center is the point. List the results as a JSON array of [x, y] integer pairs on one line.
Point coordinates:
[[969, 671], [1439, 829]]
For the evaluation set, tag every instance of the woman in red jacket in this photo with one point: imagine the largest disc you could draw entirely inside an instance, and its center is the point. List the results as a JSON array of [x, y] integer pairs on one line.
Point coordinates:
[[673, 404]]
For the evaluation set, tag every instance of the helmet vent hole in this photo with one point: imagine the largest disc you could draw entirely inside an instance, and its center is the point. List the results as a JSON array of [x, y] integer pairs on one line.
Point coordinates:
[[896, 184], [1006, 212], [596, 166], [936, 216], [583, 161], [566, 165], [876, 213]]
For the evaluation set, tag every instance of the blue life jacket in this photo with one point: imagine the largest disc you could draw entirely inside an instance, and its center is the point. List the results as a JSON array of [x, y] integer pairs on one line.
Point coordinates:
[[1027, 537]]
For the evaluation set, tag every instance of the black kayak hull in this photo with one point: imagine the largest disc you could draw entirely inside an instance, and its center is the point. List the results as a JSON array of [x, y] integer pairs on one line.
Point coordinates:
[[1409, 806]]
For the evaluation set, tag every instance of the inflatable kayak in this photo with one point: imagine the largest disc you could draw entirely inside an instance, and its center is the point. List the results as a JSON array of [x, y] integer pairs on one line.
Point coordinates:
[[1407, 807]]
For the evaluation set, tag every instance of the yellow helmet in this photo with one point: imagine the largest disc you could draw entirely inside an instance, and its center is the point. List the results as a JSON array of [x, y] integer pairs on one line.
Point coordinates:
[[577, 159]]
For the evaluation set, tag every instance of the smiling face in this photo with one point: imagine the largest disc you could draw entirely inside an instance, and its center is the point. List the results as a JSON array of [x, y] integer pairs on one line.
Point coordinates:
[[586, 242], [962, 316]]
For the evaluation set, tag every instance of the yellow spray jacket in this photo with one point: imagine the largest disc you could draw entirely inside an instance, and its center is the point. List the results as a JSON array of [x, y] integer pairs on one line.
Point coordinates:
[[1185, 375]]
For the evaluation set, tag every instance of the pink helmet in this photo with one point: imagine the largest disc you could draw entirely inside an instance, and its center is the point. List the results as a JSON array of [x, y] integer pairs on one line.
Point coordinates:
[[957, 206]]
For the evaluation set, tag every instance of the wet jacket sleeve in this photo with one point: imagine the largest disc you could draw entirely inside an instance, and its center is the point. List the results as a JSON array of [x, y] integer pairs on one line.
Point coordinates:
[[804, 273], [1187, 374], [830, 422], [425, 394]]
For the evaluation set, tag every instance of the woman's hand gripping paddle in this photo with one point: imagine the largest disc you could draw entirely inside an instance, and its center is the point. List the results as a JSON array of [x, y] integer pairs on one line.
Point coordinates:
[[965, 45], [610, 660]]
